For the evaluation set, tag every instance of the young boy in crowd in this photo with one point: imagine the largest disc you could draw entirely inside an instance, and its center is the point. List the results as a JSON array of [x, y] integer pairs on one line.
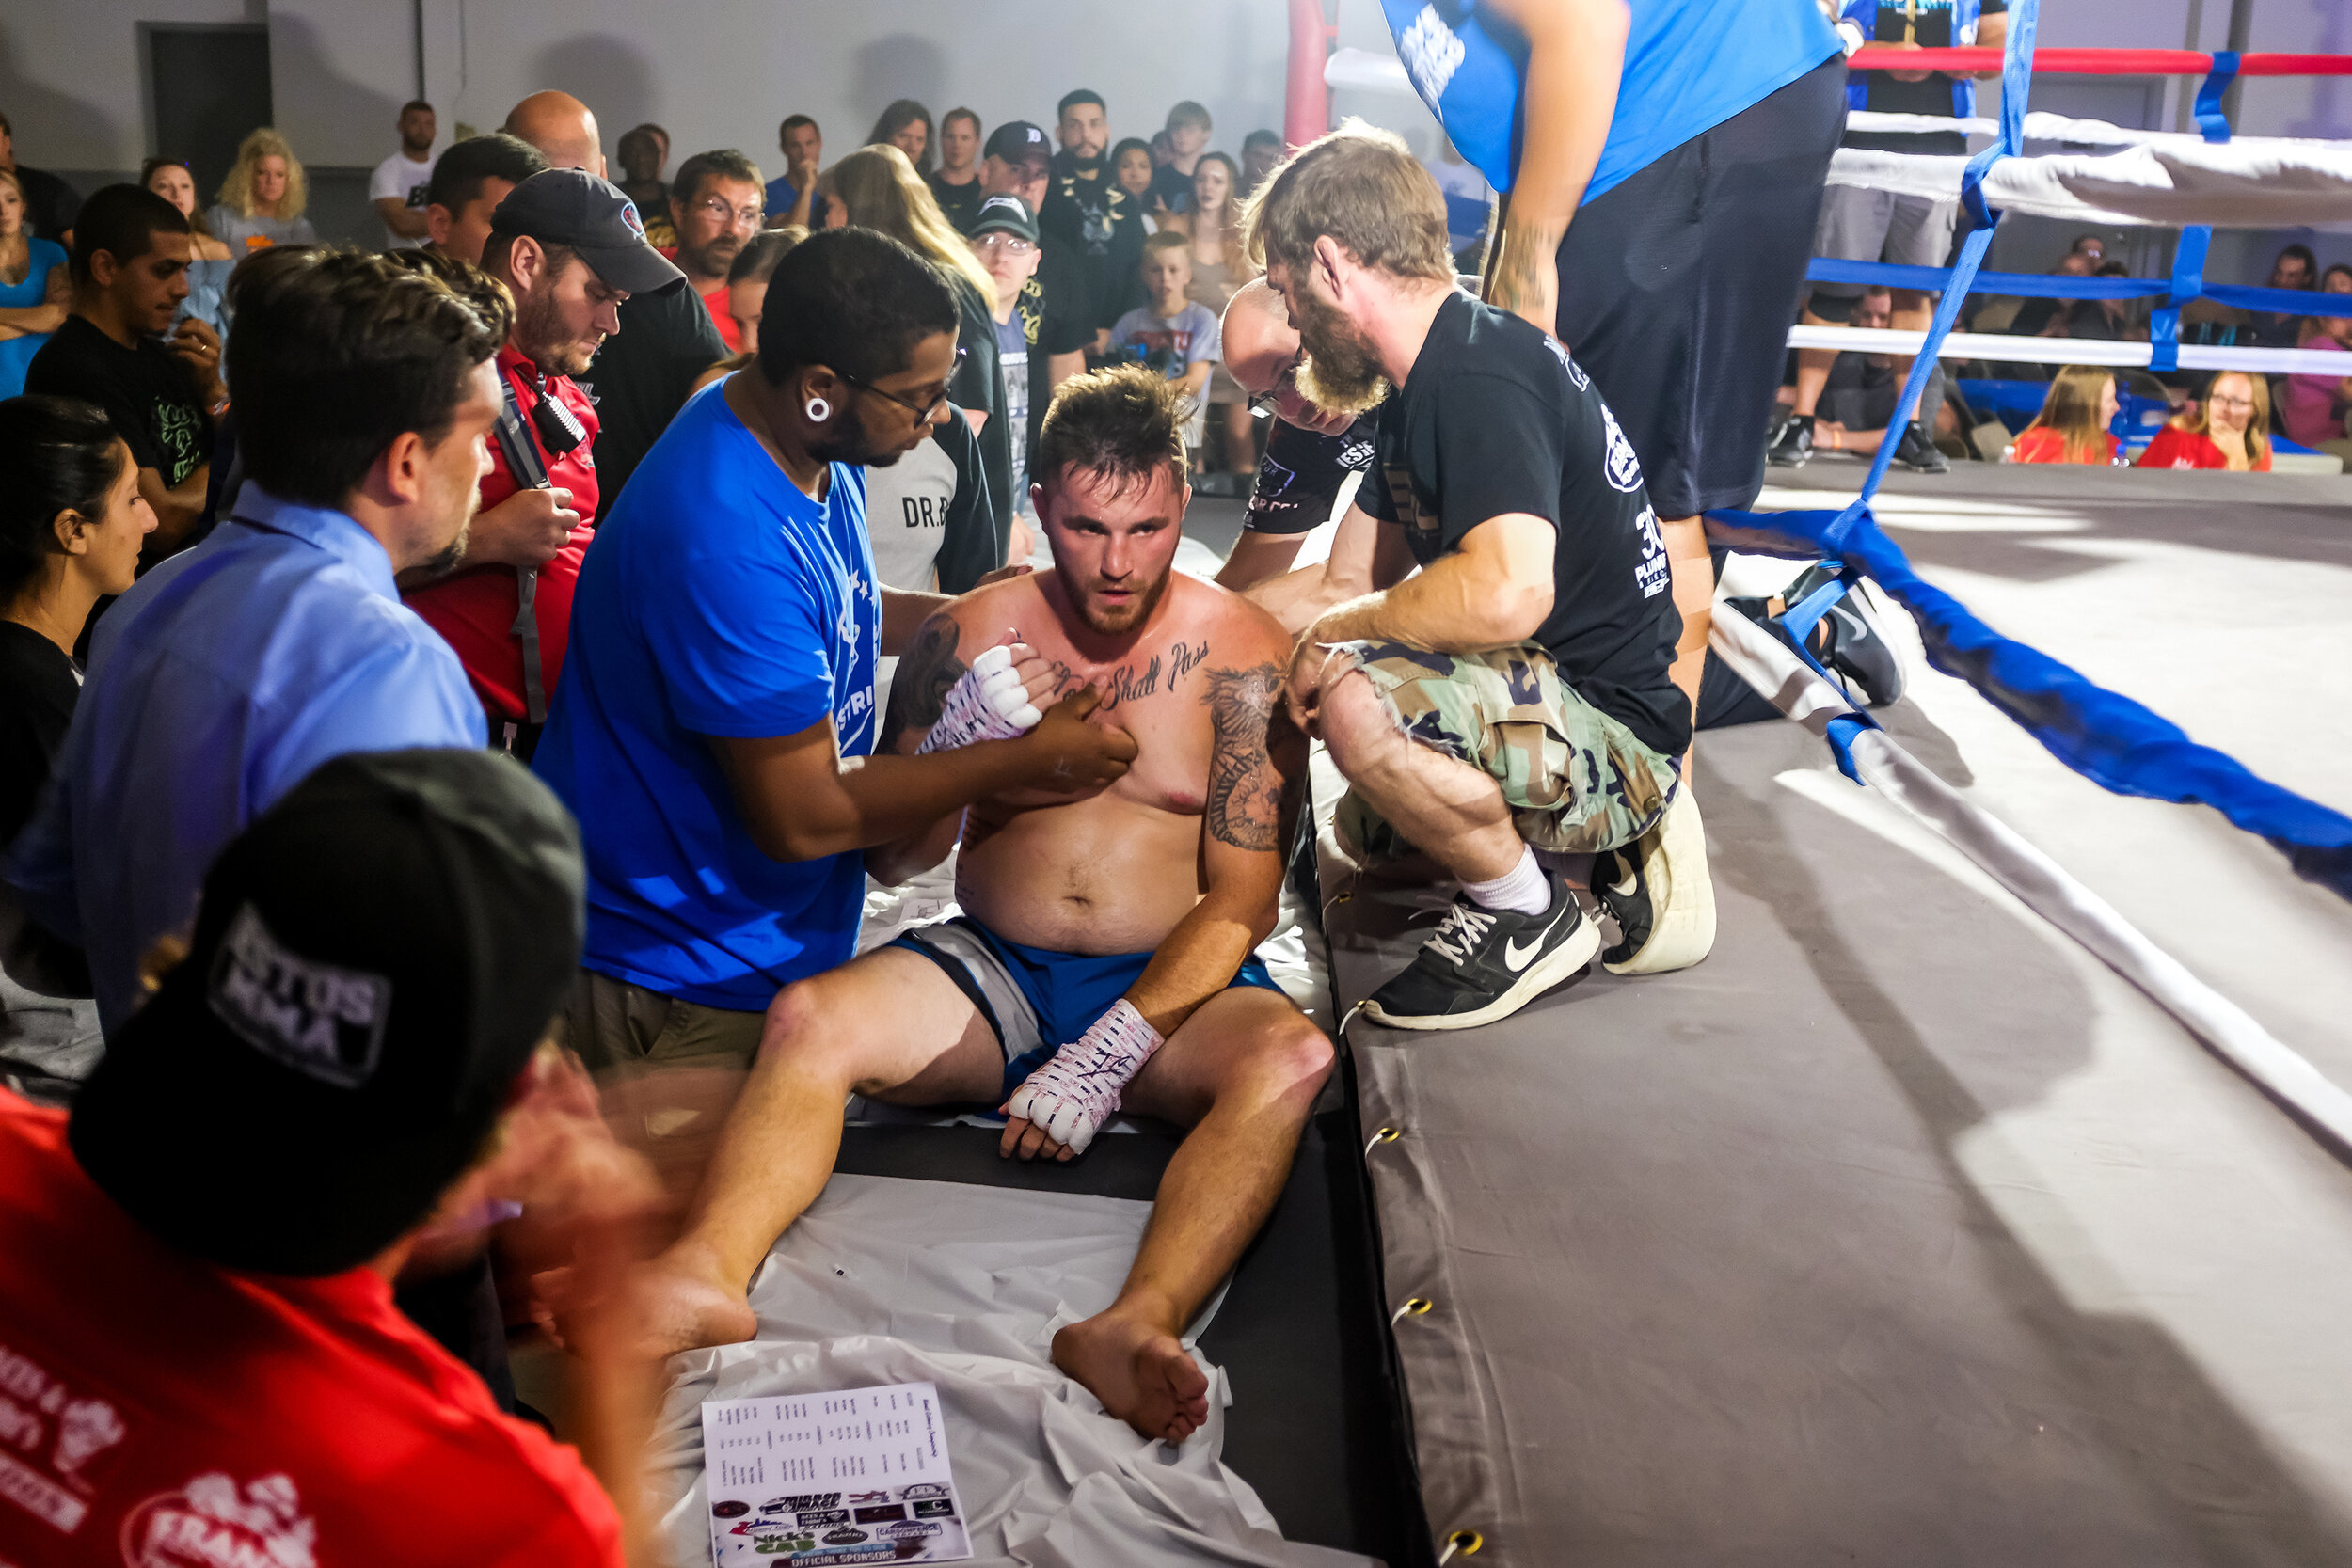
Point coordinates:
[[1175, 336]]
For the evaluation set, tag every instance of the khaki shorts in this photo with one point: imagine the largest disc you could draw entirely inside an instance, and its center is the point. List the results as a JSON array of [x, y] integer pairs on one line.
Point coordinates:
[[667, 1071], [615, 1025], [1576, 779]]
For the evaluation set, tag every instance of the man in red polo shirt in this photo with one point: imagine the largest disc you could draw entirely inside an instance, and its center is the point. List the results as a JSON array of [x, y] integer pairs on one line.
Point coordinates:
[[570, 248], [200, 1362], [716, 202]]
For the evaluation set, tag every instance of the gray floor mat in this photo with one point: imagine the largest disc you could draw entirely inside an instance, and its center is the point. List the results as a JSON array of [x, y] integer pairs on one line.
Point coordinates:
[[1900, 1231]]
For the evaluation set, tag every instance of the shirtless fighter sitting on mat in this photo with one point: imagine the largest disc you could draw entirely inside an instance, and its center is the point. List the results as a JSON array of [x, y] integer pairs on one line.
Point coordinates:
[[1105, 955]]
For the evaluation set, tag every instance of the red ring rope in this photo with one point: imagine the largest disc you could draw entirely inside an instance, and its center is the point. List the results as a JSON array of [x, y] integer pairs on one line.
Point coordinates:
[[2101, 62]]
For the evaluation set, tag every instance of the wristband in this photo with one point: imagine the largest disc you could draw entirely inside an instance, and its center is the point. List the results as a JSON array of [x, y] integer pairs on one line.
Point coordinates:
[[1074, 1093], [990, 703]]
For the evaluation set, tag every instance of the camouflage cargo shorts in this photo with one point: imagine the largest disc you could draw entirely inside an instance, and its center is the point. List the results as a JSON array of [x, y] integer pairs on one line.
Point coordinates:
[[1576, 779]]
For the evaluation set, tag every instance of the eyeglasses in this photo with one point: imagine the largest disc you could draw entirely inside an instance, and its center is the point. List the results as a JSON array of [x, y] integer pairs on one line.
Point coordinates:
[[2231, 403], [920, 410], [1264, 405], [996, 239], [735, 218]]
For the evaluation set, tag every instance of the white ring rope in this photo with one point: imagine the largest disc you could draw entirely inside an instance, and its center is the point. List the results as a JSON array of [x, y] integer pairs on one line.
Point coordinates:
[[1764, 663], [2003, 348]]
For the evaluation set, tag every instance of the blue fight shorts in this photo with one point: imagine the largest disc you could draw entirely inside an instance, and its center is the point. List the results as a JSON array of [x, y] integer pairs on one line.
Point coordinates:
[[1036, 1000]]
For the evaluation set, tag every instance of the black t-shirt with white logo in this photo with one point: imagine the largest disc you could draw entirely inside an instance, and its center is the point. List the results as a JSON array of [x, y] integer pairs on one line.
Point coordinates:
[[1301, 474], [1495, 417], [148, 392]]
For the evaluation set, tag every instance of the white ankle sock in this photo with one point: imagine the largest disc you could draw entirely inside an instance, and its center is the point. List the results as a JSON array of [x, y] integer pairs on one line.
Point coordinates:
[[1523, 889]]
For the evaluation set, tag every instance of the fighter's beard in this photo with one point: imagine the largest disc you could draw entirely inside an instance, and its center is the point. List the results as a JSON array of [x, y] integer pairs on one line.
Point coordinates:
[[1138, 609]]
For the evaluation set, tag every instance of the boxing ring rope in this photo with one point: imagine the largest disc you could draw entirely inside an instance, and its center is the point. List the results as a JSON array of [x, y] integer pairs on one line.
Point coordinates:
[[2102, 735]]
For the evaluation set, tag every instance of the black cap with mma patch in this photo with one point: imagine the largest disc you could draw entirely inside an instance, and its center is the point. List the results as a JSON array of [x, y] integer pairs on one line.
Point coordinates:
[[376, 960], [572, 207]]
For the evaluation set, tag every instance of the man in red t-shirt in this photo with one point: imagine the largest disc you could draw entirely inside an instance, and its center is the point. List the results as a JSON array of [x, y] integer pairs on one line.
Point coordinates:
[[716, 202], [569, 247], [201, 1361]]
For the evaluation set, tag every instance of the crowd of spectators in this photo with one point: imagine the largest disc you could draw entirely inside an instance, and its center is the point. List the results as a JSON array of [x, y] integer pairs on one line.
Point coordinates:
[[2228, 420]]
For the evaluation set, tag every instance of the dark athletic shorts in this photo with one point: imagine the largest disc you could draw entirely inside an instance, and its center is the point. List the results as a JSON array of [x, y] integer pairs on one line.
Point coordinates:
[[1036, 1000], [1676, 289]]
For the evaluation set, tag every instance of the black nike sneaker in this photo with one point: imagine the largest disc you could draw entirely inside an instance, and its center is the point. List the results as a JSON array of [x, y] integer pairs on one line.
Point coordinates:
[[1659, 893], [1794, 447], [1850, 643], [1484, 964], [1917, 453]]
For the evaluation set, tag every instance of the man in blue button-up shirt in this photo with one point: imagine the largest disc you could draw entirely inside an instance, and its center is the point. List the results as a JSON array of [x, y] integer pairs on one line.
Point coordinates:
[[364, 391]]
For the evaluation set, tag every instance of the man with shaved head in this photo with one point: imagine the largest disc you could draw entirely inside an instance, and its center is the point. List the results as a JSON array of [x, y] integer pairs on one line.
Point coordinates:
[[1311, 452], [642, 375]]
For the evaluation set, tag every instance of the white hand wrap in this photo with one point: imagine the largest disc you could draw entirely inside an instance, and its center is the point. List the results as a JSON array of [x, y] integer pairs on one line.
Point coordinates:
[[1074, 1093], [990, 703]]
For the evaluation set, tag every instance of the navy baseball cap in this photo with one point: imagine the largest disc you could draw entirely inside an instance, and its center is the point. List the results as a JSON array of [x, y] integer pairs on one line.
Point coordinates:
[[1017, 141], [573, 208], [1008, 213]]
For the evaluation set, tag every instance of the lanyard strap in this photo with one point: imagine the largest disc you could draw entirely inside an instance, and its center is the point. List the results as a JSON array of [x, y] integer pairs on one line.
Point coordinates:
[[531, 473]]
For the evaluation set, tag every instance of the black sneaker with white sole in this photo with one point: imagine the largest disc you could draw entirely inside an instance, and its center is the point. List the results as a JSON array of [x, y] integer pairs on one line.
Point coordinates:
[[1917, 453], [1484, 964], [1849, 642], [1794, 447]]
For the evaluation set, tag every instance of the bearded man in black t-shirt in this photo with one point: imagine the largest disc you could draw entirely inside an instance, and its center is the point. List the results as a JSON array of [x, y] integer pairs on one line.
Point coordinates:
[[1514, 693]]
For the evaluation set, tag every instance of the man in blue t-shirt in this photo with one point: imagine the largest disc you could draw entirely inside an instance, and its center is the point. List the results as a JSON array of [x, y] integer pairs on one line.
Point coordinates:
[[790, 194], [714, 727], [1669, 172]]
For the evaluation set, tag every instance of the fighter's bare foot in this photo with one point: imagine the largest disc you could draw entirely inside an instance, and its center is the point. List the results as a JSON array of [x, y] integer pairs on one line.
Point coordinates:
[[678, 1307], [1142, 1374]]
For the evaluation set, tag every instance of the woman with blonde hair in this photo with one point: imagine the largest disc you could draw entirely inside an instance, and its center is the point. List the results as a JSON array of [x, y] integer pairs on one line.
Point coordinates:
[[1213, 223], [2072, 424], [2230, 429], [261, 200], [877, 188]]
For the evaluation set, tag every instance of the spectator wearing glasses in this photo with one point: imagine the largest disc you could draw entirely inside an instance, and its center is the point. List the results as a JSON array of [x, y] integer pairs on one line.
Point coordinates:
[[877, 188], [2229, 428], [718, 203], [1260, 151], [644, 376], [792, 193], [722, 675], [210, 261], [955, 182]]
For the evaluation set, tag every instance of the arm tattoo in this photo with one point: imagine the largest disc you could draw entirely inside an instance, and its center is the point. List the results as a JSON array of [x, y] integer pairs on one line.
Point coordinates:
[[1244, 796], [927, 674], [1515, 279]]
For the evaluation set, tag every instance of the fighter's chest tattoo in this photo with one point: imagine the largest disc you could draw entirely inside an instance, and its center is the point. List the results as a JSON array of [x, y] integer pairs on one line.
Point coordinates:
[[1137, 677]]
